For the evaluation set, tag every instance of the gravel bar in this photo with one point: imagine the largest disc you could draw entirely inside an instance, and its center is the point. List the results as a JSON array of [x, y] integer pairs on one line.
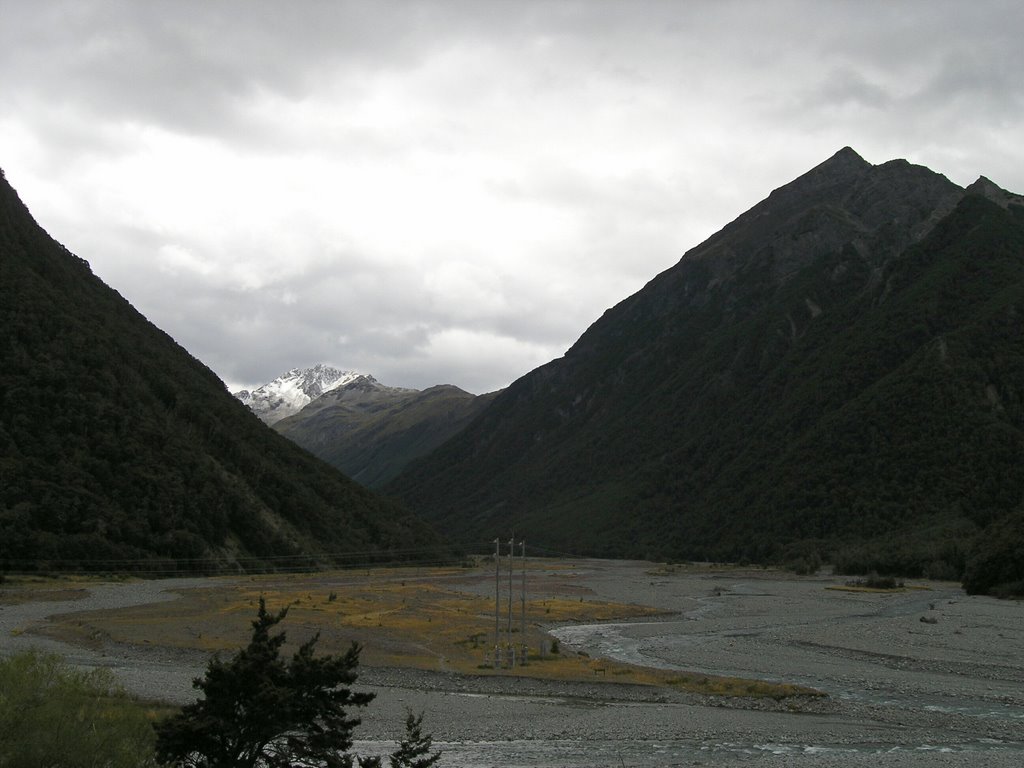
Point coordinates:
[[927, 676]]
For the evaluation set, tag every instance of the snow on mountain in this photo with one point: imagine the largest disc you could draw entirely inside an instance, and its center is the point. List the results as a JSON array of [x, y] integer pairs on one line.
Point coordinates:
[[292, 391]]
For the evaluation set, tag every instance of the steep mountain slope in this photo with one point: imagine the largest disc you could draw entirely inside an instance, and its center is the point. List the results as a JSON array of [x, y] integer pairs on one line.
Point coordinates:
[[838, 371], [292, 391], [117, 446], [371, 432]]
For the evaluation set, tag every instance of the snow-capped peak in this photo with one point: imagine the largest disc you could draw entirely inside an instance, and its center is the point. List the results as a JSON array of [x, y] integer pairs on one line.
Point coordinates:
[[292, 391]]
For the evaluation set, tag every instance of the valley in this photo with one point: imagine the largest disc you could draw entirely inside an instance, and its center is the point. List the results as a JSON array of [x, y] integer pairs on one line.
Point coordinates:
[[924, 675]]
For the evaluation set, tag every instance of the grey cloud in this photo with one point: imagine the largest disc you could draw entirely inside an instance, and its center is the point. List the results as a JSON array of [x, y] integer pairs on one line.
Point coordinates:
[[189, 65], [751, 93], [844, 87], [979, 82]]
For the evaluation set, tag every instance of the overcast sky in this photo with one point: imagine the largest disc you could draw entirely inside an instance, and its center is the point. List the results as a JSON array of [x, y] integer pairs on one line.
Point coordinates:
[[451, 192]]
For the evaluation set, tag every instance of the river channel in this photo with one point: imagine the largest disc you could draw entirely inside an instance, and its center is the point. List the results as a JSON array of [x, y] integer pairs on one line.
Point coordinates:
[[927, 676]]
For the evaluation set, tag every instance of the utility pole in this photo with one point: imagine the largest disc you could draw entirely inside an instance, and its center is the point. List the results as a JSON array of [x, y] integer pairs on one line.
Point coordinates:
[[524, 649], [497, 603], [511, 645]]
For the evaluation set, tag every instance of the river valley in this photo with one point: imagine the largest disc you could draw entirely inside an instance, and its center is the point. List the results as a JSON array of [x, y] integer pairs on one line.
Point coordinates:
[[922, 676]]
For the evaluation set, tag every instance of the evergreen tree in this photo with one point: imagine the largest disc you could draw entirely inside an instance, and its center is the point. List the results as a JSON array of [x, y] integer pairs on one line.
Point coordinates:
[[414, 750], [259, 711]]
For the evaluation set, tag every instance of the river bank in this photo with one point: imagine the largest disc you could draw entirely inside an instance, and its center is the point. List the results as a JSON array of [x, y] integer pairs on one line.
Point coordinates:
[[946, 690]]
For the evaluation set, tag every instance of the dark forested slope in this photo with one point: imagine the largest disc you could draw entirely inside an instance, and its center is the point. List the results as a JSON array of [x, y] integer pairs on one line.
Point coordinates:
[[839, 371], [117, 445]]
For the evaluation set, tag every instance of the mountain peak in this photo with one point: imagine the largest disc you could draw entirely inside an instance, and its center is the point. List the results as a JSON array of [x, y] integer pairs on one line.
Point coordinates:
[[843, 164], [843, 200], [293, 390], [697, 417], [989, 189], [848, 156]]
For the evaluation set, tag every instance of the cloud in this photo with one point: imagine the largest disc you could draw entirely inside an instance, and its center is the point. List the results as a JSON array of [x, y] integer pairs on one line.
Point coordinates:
[[455, 190]]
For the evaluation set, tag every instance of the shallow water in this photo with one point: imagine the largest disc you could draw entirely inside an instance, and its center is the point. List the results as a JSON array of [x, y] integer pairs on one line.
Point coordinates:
[[657, 641], [662, 753]]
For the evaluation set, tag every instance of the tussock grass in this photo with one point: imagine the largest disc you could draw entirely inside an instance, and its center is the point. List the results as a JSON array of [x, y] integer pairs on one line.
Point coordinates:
[[436, 619], [40, 595], [713, 685], [20, 588]]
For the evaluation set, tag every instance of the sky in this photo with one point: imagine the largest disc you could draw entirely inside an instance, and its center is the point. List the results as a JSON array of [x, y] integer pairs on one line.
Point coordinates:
[[452, 192]]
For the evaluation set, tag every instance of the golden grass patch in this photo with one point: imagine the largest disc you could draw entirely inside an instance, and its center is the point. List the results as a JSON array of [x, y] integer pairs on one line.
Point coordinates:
[[439, 619], [18, 588], [18, 596]]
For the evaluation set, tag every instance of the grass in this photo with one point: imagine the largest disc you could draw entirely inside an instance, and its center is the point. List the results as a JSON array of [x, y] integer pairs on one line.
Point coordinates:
[[17, 589], [875, 583], [435, 619]]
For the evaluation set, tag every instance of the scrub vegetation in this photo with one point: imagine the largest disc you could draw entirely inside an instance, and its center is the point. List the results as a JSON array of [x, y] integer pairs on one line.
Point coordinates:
[[54, 715]]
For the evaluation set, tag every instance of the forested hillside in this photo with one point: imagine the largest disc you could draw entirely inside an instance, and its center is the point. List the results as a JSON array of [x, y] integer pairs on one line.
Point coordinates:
[[837, 374], [120, 450]]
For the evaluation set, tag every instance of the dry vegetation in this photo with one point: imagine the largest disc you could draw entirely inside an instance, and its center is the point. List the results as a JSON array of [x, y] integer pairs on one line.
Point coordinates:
[[438, 619], [15, 590]]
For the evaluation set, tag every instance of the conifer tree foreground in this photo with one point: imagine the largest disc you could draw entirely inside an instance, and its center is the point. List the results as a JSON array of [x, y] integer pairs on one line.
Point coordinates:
[[259, 711]]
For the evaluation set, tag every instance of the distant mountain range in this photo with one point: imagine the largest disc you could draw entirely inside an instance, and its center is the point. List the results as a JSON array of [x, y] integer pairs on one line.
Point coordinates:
[[350, 420], [120, 451], [838, 373]]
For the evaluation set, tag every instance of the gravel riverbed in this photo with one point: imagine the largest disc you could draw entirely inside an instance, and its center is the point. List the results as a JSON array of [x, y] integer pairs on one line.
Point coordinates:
[[928, 676]]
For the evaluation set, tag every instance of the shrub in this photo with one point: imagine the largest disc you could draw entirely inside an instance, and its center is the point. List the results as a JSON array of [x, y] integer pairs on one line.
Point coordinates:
[[54, 715], [996, 562], [874, 581], [261, 710]]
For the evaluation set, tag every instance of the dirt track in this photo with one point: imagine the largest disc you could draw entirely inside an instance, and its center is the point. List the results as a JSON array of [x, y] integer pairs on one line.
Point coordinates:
[[902, 691]]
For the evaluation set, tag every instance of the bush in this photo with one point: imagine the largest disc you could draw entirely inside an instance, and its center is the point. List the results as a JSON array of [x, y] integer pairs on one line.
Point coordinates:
[[54, 715], [874, 581], [805, 566], [260, 709], [996, 562]]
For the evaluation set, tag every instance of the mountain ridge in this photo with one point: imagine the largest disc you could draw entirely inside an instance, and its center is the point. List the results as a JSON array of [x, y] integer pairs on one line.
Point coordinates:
[[121, 451], [371, 431], [692, 419], [293, 390]]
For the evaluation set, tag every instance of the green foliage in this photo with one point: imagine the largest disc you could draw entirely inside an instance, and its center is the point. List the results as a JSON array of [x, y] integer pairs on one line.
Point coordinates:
[[806, 565], [414, 751], [260, 710], [54, 715], [874, 581], [996, 561], [119, 450], [921, 554]]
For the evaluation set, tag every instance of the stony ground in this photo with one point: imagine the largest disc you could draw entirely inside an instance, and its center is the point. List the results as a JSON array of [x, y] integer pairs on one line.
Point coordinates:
[[920, 677]]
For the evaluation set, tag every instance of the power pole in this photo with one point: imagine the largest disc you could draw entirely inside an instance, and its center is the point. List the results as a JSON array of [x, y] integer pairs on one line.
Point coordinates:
[[524, 648], [497, 603], [511, 645]]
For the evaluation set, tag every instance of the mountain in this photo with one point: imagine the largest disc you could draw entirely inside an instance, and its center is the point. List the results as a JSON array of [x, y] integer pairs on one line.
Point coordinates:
[[118, 450], [838, 373], [371, 431], [290, 392]]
